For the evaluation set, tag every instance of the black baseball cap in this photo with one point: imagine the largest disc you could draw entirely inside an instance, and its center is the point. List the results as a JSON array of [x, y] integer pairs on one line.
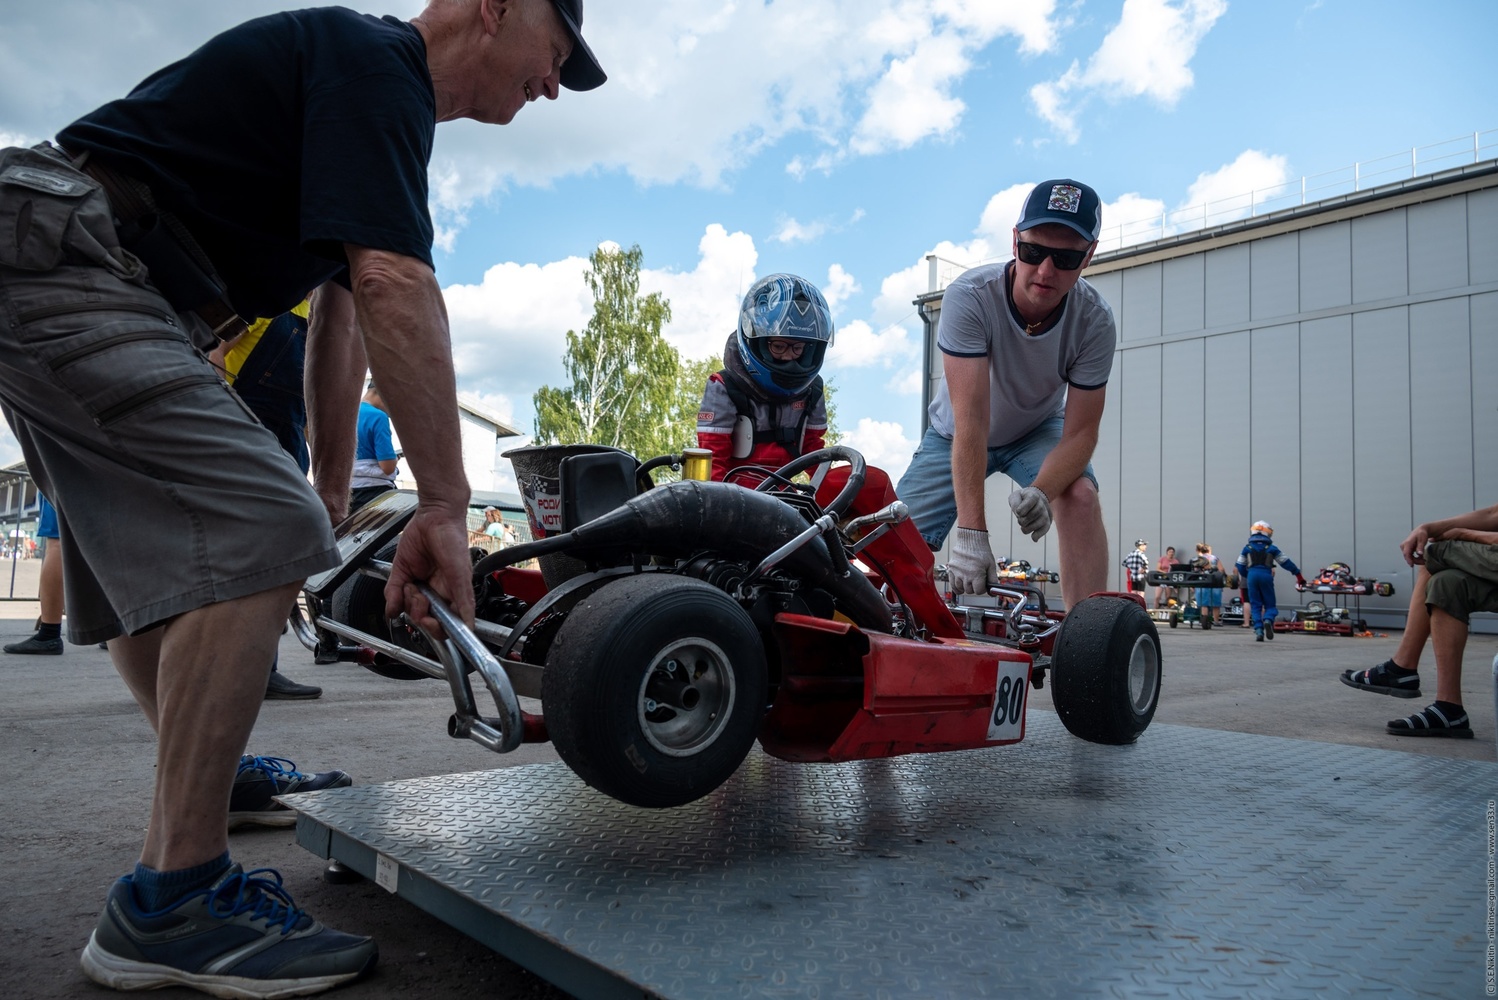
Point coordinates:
[[581, 70], [1065, 202]]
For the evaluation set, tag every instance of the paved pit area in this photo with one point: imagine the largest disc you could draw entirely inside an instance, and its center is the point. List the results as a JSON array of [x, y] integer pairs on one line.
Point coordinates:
[[81, 758]]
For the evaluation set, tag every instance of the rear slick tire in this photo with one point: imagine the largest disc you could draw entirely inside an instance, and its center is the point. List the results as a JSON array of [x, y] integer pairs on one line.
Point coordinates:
[[655, 688], [1106, 670]]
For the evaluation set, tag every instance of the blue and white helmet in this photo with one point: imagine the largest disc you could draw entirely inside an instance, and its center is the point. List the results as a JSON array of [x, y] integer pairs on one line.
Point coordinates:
[[791, 308]]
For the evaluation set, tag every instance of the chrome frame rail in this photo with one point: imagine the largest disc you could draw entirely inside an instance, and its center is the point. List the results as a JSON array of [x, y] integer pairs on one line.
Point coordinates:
[[461, 649]]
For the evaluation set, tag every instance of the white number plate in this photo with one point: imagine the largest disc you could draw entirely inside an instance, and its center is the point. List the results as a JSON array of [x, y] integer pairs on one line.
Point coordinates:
[[1010, 695], [387, 873]]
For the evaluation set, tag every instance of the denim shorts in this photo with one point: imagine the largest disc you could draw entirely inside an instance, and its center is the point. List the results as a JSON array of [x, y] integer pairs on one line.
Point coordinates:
[[926, 486], [170, 495]]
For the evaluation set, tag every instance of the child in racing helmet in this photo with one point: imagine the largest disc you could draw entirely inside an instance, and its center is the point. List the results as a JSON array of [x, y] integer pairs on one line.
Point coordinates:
[[766, 407], [1256, 569]]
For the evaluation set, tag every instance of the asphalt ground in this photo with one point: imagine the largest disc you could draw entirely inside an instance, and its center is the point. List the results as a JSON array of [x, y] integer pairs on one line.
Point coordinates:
[[80, 758]]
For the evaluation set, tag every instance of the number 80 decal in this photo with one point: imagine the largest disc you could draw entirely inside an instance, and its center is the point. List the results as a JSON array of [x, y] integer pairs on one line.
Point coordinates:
[[1008, 718]]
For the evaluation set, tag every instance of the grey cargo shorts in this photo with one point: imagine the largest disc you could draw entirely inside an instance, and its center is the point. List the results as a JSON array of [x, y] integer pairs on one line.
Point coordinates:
[[170, 495]]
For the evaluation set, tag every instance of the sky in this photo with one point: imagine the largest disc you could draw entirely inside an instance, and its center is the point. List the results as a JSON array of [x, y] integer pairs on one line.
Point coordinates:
[[845, 140]]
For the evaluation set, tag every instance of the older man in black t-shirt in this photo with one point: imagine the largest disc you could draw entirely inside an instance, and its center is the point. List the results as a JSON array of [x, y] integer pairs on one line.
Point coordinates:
[[286, 157]]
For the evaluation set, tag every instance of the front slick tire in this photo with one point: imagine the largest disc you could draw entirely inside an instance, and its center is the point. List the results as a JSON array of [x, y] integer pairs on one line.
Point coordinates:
[[1106, 670], [654, 689]]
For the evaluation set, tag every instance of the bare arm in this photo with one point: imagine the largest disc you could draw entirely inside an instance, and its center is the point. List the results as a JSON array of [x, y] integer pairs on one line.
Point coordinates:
[[967, 384], [400, 309], [1479, 521], [1064, 465], [332, 382]]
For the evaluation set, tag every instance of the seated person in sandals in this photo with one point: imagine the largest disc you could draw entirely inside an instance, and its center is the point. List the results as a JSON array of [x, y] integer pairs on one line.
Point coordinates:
[[1458, 574]]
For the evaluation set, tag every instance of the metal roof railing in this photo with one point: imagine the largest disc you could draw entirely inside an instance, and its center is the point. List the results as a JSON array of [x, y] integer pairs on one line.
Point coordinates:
[[1359, 176], [1313, 187]]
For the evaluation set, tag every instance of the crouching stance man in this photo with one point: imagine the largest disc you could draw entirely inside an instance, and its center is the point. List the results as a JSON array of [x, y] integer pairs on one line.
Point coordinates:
[[286, 155], [1027, 348]]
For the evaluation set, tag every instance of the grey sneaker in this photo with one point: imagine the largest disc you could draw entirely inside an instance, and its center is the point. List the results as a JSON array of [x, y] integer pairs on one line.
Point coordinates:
[[242, 937], [261, 778], [33, 645], [279, 687]]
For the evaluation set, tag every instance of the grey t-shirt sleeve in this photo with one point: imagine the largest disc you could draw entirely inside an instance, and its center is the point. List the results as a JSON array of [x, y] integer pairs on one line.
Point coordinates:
[[1094, 361], [962, 330]]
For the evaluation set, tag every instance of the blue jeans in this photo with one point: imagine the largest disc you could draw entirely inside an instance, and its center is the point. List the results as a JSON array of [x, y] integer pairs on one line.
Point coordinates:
[[270, 383], [926, 486]]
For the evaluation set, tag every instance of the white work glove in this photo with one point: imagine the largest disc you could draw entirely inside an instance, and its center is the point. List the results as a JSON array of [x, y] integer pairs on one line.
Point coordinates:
[[1032, 510], [972, 564]]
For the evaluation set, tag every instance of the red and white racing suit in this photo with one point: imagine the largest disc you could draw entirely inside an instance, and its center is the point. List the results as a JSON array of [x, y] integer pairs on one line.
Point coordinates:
[[783, 429]]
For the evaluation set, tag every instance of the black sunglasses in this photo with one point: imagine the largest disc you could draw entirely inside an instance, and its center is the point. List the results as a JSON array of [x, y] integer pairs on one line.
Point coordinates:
[[1066, 260]]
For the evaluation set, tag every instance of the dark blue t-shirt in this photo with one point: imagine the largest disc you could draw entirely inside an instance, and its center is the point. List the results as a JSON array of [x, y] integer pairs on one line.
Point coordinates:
[[279, 141]]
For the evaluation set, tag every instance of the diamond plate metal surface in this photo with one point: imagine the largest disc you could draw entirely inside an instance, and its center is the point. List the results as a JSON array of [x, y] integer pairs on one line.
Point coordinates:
[[1196, 863]]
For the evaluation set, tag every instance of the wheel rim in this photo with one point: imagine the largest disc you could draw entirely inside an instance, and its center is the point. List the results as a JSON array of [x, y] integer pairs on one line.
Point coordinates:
[[1144, 674], [686, 697]]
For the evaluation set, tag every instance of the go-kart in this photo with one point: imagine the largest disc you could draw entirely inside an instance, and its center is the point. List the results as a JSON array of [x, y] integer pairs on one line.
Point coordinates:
[[1020, 570], [670, 626], [1337, 580], [1183, 576]]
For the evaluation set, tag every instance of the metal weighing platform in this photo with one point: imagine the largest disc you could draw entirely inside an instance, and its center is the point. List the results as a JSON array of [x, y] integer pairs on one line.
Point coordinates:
[[1197, 863]]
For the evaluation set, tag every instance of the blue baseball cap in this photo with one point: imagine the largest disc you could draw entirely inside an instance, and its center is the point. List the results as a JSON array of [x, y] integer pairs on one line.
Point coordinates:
[[581, 70], [1064, 202]]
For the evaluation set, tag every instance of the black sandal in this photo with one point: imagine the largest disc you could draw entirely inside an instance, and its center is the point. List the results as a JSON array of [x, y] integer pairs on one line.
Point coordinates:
[[1383, 679], [1433, 721]]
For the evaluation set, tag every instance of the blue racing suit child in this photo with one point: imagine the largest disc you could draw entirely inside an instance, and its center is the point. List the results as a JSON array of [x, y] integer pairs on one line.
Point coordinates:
[[1256, 569]]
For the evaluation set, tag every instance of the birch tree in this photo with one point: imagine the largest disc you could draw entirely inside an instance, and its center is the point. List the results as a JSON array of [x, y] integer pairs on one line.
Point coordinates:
[[623, 376]]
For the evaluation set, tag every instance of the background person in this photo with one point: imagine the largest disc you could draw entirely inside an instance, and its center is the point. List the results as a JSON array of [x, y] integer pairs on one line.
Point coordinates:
[[1256, 568], [266, 367], [48, 638], [1457, 563], [1027, 348], [1164, 595], [374, 451], [1209, 598], [767, 405], [1136, 566]]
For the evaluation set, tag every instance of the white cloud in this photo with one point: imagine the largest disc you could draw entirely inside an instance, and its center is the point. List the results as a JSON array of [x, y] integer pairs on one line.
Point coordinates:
[[696, 87], [705, 300], [907, 382], [1227, 191], [839, 287], [1002, 212], [1252, 182], [858, 346], [792, 231], [509, 331], [883, 444], [1147, 54], [10, 448]]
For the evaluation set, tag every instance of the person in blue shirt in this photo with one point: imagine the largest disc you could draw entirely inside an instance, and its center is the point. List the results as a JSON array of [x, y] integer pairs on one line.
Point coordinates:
[[1256, 569], [374, 452]]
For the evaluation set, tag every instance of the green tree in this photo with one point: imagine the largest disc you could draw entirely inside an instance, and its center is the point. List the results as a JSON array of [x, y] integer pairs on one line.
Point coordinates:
[[624, 377], [689, 388]]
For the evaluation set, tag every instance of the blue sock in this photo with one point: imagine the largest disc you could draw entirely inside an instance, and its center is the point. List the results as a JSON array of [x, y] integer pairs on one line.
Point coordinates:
[[156, 890]]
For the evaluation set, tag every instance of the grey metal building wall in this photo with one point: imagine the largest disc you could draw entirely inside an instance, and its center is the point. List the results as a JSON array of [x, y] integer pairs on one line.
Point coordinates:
[[1332, 369]]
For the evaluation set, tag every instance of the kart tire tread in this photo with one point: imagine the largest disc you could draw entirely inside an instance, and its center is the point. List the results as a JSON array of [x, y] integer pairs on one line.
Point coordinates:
[[1102, 642], [591, 686]]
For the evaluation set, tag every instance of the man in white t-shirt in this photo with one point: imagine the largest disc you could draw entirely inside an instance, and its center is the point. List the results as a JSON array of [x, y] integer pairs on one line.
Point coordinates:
[[1027, 348]]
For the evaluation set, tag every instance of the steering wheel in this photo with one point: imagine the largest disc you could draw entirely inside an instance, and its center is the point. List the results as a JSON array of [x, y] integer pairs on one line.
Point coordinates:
[[840, 503]]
